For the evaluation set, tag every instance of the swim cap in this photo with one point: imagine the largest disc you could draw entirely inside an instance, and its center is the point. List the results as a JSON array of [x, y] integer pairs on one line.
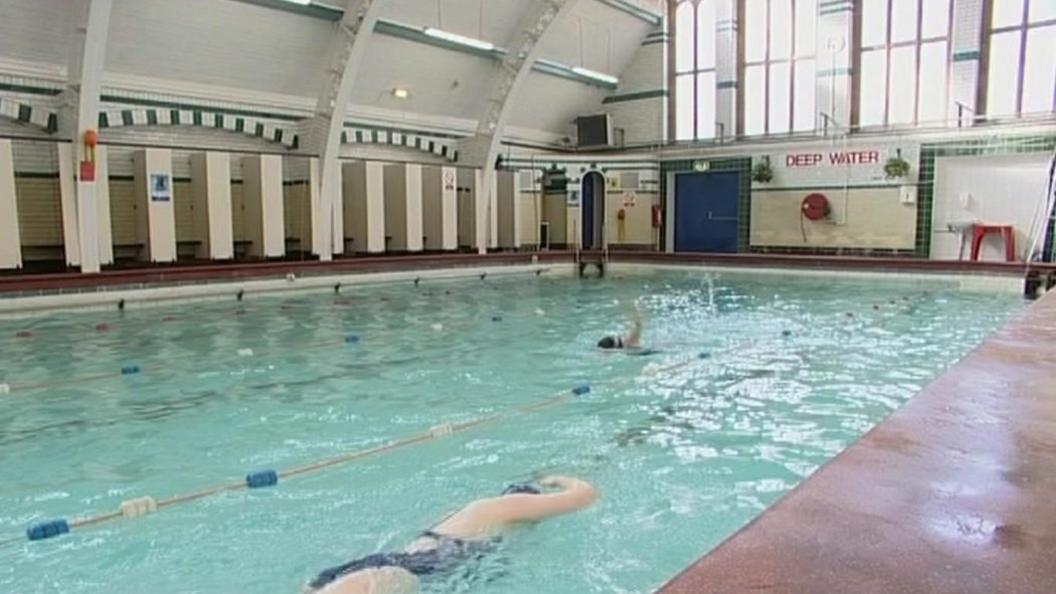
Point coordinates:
[[607, 343], [522, 489]]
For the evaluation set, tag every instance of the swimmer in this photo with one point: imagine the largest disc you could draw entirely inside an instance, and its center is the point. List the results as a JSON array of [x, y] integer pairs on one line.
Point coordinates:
[[465, 535], [631, 341]]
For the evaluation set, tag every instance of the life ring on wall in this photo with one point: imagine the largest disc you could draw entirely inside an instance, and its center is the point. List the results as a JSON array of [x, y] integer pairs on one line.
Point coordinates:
[[816, 207]]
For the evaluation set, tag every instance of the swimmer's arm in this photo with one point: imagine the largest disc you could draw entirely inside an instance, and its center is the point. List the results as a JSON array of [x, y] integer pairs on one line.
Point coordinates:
[[634, 337], [575, 495]]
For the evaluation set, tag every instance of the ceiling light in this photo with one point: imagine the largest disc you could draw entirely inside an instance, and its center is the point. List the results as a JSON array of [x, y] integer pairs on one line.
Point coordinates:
[[460, 39], [301, 2], [401, 93], [595, 75]]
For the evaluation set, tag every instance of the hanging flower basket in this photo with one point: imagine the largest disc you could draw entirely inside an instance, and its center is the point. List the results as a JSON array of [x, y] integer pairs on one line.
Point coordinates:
[[762, 172], [896, 167]]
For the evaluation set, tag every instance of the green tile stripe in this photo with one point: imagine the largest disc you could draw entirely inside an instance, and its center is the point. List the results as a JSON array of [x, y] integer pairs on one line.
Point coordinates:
[[833, 72], [400, 138], [835, 7], [741, 165], [199, 118], [30, 115], [929, 152], [636, 96], [966, 56]]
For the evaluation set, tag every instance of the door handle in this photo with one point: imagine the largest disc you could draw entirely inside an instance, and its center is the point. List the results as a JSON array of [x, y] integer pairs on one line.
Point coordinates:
[[712, 217]]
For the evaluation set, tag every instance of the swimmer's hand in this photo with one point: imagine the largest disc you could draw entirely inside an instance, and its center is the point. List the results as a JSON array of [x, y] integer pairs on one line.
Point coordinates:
[[579, 493]]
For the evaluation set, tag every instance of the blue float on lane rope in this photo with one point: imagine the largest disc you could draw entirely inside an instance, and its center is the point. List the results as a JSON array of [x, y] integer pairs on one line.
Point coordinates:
[[581, 390], [49, 529], [704, 356], [351, 339], [786, 333], [261, 479], [130, 370], [496, 318]]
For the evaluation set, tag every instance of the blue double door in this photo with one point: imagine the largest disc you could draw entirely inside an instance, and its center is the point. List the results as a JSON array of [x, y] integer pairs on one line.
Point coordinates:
[[707, 212]]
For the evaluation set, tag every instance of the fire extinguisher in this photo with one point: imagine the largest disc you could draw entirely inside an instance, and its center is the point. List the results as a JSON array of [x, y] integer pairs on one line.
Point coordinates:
[[91, 140], [621, 225], [658, 216]]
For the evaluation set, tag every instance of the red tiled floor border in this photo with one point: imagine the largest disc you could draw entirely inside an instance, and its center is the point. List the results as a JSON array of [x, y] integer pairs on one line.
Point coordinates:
[[262, 270], [952, 494]]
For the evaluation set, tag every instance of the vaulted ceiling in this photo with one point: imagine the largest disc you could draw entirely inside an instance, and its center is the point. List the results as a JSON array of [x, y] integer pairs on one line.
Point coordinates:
[[271, 53]]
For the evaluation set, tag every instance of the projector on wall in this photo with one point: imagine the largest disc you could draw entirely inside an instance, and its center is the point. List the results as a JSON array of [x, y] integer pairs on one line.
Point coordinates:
[[595, 131]]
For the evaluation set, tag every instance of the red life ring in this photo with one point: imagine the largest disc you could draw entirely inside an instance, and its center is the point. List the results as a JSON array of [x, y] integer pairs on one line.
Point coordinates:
[[816, 207]]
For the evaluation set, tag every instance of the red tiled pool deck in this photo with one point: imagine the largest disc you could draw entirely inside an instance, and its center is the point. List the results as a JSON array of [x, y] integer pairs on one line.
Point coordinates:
[[955, 493]]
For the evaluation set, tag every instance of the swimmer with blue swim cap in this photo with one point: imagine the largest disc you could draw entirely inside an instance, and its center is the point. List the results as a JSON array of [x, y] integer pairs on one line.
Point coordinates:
[[463, 537]]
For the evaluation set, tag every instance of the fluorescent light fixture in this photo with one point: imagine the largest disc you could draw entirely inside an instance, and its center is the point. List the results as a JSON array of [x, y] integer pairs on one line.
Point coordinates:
[[401, 93], [595, 75], [462, 40], [301, 2]]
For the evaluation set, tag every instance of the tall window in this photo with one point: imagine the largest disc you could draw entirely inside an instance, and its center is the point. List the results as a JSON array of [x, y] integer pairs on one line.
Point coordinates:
[[1022, 74], [695, 70], [904, 62], [779, 66]]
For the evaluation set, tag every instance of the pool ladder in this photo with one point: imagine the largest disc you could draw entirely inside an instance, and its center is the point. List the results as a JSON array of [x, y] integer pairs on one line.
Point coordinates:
[[599, 260]]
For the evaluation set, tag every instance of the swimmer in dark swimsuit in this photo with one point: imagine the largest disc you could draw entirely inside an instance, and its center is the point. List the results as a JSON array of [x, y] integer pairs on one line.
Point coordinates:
[[631, 341], [464, 536]]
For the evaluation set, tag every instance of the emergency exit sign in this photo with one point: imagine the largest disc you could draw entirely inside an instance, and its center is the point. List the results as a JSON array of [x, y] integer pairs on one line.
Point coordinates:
[[834, 159]]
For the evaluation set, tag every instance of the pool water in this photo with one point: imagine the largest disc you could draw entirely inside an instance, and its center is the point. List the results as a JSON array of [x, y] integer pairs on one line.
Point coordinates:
[[684, 450]]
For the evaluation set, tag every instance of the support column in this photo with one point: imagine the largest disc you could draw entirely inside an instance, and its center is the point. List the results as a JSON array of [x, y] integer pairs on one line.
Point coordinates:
[[967, 52], [727, 75], [364, 203], [347, 49], [265, 217], [211, 191], [102, 206], [71, 235], [81, 114], [156, 214], [10, 239], [835, 66]]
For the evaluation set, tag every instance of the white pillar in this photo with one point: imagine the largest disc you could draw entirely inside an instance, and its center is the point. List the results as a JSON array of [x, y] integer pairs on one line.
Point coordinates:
[[83, 88], [156, 214], [71, 239], [508, 227], [265, 215], [403, 207], [104, 225], [364, 184], [440, 208], [834, 66], [211, 192], [727, 80], [486, 213], [10, 239]]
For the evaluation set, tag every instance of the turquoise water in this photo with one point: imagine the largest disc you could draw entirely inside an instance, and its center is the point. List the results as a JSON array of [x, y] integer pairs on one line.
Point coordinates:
[[683, 456]]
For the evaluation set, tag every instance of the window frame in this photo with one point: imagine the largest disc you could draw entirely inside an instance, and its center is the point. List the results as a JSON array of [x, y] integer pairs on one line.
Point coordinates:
[[767, 63], [918, 42], [1023, 28], [694, 73]]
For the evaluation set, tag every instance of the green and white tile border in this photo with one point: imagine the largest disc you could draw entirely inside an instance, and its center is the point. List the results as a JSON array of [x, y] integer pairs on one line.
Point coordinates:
[[256, 127], [399, 139], [25, 113], [250, 126]]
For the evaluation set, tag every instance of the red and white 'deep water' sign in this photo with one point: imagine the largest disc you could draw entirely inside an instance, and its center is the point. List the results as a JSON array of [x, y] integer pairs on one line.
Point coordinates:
[[833, 159]]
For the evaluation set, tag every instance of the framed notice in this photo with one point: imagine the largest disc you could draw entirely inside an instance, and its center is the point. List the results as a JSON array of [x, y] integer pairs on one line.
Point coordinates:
[[160, 187]]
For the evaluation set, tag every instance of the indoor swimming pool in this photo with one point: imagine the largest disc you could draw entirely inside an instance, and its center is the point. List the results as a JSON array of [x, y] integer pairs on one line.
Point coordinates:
[[759, 379]]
